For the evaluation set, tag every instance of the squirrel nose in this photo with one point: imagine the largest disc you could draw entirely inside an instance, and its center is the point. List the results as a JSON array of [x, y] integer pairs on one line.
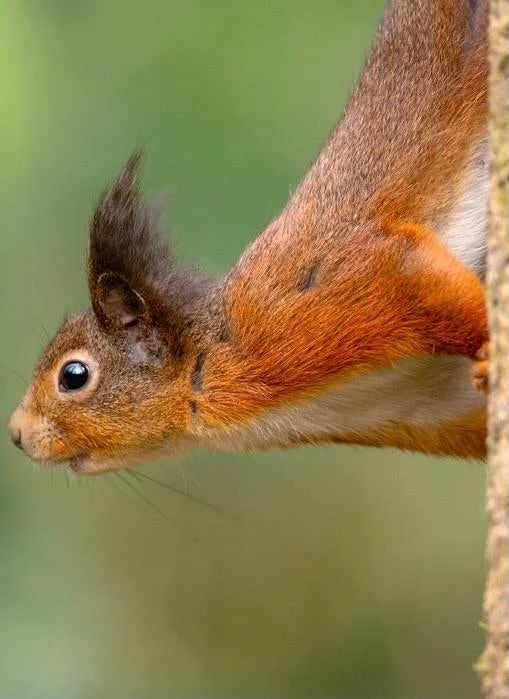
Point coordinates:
[[15, 432], [16, 439]]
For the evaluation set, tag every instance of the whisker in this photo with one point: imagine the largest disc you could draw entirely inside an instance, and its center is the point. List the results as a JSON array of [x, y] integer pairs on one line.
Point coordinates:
[[42, 327], [21, 378], [185, 472], [151, 504], [40, 340], [124, 495], [138, 475], [29, 463], [184, 478], [27, 384]]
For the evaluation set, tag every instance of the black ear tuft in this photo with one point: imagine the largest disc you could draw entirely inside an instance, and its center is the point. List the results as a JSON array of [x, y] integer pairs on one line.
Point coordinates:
[[127, 261], [135, 286]]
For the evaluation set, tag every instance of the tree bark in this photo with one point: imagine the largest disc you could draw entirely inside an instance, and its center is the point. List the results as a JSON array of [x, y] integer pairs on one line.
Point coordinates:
[[495, 660]]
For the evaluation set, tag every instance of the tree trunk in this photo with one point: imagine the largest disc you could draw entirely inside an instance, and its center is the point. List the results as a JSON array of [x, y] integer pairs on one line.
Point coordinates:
[[495, 661]]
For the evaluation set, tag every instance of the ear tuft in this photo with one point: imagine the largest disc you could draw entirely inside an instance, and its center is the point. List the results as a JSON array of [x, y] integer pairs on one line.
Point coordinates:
[[133, 280], [127, 263]]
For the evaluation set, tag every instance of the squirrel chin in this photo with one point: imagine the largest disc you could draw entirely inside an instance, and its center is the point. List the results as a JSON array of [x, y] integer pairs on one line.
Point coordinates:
[[94, 464], [87, 465]]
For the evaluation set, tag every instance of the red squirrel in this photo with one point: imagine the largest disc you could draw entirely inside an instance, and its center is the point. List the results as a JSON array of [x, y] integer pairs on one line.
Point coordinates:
[[357, 316]]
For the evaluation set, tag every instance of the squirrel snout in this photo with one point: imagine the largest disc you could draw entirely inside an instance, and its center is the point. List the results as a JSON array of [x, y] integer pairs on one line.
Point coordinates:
[[14, 429], [16, 438], [37, 436]]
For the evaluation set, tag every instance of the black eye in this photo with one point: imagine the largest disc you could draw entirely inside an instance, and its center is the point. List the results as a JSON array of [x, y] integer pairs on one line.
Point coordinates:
[[73, 376]]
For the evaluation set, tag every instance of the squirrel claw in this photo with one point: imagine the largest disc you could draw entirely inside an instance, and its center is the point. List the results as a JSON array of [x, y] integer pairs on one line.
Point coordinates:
[[480, 370]]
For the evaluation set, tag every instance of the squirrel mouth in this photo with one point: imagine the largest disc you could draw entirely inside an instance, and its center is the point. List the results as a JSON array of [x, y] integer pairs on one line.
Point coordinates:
[[87, 464], [78, 462]]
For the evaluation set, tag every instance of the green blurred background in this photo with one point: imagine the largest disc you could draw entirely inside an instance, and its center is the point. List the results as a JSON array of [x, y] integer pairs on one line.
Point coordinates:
[[350, 573]]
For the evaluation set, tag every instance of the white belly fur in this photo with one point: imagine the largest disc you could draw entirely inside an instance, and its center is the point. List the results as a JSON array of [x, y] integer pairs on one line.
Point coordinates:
[[464, 230], [418, 391]]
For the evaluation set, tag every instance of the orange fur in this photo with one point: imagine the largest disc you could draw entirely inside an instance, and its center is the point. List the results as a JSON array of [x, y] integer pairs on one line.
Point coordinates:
[[351, 281], [466, 436], [404, 296]]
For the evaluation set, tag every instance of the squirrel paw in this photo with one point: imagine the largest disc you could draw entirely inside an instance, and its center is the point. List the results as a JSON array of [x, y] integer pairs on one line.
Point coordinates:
[[480, 369]]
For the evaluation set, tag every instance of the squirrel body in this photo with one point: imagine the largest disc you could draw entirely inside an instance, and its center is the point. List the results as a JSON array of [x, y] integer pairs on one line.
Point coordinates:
[[355, 317]]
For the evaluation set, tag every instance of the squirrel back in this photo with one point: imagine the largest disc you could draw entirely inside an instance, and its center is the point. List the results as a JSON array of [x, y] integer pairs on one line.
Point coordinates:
[[354, 317]]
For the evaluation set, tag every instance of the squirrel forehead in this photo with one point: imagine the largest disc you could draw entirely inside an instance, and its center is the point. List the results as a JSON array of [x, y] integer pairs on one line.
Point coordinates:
[[78, 332]]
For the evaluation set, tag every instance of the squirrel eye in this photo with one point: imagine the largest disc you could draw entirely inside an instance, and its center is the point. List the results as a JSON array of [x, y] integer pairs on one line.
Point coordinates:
[[73, 376]]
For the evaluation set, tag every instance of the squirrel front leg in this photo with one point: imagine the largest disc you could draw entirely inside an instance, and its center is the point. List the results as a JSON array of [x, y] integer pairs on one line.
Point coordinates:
[[451, 297], [471, 292]]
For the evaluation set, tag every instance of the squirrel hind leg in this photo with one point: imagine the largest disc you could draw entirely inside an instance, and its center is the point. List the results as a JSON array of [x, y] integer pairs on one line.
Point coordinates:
[[480, 369]]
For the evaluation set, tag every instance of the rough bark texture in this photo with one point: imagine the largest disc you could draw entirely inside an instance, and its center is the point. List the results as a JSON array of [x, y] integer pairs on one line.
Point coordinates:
[[495, 661]]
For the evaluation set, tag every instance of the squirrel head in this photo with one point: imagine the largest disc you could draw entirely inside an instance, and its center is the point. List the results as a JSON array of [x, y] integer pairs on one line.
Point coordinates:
[[112, 385]]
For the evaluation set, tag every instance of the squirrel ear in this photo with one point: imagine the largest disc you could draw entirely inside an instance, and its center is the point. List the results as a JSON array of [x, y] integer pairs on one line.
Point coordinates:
[[120, 306], [129, 268]]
